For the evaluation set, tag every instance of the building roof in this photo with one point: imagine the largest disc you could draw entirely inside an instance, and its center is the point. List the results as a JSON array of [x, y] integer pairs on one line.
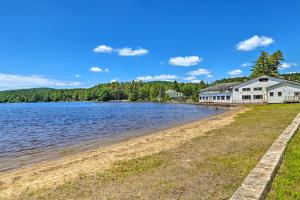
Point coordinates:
[[171, 91], [220, 86], [283, 83], [265, 76]]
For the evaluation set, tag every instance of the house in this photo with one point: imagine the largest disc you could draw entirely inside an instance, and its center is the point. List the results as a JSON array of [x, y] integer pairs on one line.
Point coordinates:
[[220, 93], [263, 89], [174, 94]]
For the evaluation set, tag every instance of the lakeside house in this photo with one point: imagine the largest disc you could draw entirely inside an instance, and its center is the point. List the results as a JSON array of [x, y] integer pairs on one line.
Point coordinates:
[[174, 94], [263, 89]]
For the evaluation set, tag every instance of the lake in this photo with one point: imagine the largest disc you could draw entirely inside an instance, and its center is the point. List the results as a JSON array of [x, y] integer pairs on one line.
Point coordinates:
[[33, 132]]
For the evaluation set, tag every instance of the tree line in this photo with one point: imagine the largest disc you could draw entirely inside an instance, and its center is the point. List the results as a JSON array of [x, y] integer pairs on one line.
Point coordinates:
[[132, 91]]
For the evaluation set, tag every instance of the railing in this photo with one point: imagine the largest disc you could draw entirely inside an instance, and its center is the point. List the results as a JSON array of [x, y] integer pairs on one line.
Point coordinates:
[[290, 99]]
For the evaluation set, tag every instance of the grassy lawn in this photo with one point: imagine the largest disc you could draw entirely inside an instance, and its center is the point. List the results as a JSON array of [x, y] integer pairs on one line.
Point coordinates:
[[208, 167], [287, 182]]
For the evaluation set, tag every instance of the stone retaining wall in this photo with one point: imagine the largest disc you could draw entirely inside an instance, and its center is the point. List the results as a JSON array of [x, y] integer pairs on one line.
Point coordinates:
[[258, 183]]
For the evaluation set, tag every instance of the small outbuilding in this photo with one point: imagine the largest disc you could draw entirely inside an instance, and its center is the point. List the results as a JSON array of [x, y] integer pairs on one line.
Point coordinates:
[[174, 94]]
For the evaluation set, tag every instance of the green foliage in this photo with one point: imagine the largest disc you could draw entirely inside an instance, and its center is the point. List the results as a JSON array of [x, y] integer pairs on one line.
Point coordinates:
[[132, 91], [230, 80], [267, 64], [287, 182], [292, 76]]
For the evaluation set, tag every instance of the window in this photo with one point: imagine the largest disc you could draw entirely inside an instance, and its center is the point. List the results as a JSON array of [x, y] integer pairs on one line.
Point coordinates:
[[223, 97], [263, 80], [257, 89], [218, 97], [227, 97], [297, 94], [206, 98], [214, 98], [236, 89], [257, 96], [246, 89], [271, 94], [279, 94], [246, 97]]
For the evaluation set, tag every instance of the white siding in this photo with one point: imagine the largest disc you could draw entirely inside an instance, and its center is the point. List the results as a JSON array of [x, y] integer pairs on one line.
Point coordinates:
[[237, 96], [262, 95], [288, 93], [215, 97]]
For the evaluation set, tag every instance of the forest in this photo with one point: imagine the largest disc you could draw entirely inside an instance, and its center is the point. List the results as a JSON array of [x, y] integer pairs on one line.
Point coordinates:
[[132, 91]]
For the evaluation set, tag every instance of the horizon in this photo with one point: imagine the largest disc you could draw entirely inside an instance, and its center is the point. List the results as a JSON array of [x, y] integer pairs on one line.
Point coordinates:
[[56, 44]]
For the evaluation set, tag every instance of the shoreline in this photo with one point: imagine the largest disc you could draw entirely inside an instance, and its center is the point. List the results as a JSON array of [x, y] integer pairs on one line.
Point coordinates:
[[226, 105], [56, 172], [55, 153]]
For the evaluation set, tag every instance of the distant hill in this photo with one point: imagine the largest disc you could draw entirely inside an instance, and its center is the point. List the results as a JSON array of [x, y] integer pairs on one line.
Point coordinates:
[[230, 80], [132, 91]]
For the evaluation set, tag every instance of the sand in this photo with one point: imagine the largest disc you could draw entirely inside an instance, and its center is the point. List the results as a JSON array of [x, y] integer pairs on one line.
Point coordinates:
[[55, 172]]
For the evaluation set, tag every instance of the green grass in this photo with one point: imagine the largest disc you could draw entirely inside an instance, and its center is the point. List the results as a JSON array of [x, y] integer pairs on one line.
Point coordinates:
[[287, 181], [208, 167], [117, 173]]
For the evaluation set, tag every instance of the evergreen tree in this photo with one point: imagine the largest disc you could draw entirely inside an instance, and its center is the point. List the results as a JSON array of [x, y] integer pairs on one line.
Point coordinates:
[[267, 64]]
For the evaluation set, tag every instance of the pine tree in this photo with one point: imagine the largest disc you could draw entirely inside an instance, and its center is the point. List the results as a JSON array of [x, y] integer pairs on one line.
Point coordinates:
[[267, 64]]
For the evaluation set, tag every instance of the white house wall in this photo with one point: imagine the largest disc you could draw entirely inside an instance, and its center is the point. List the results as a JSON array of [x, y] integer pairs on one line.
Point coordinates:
[[208, 97], [237, 96], [274, 85], [288, 91]]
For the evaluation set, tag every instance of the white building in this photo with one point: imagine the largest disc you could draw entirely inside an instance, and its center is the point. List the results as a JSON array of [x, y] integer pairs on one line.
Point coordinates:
[[263, 89], [174, 94]]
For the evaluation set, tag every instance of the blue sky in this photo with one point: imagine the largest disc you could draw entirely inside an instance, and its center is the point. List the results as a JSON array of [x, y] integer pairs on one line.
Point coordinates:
[[65, 44]]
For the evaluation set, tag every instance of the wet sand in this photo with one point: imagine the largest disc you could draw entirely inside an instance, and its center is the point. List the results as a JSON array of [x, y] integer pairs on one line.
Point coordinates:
[[55, 172]]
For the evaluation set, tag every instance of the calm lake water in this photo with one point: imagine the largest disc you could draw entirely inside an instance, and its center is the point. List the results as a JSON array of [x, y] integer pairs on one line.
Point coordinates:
[[39, 131]]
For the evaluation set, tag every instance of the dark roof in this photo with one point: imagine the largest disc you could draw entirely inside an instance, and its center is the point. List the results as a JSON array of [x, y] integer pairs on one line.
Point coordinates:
[[220, 87]]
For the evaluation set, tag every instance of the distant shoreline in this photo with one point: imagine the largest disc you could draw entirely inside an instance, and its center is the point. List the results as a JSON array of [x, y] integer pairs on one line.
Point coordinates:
[[127, 101]]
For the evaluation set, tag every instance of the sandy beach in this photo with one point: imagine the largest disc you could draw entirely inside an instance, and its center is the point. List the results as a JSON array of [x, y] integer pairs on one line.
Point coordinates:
[[56, 172]]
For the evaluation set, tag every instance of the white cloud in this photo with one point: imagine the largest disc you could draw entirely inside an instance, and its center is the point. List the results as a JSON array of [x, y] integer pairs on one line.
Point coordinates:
[[254, 42], [247, 64], [286, 65], [163, 77], [15, 81], [78, 75], [200, 72], [195, 81], [126, 51], [98, 69], [190, 78], [185, 61], [132, 52], [103, 49], [235, 72], [114, 80]]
